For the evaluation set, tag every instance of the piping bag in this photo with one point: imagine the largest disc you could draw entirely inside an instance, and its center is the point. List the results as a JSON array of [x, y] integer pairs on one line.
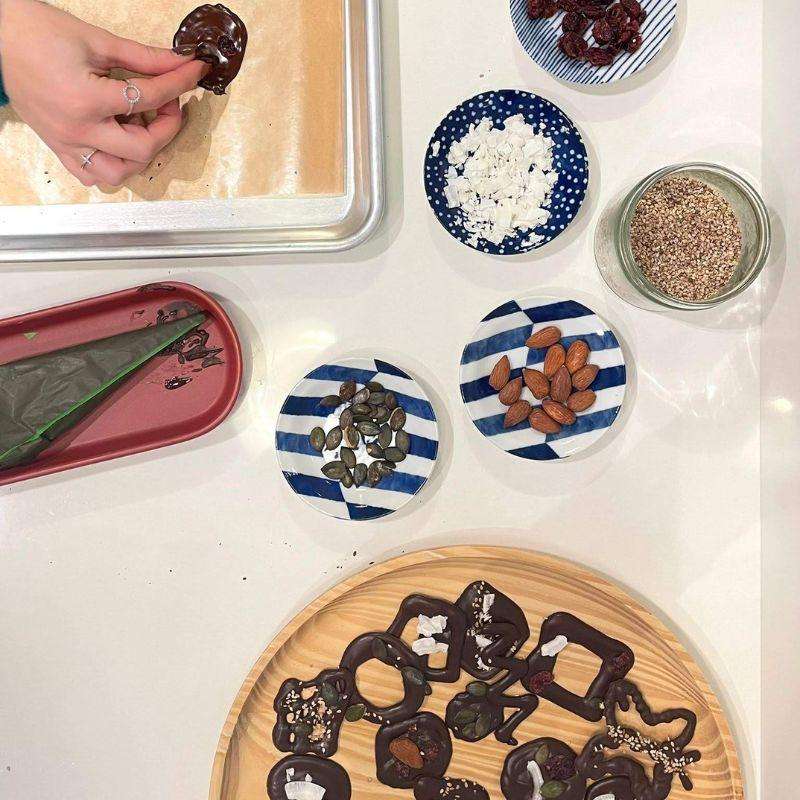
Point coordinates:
[[43, 397]]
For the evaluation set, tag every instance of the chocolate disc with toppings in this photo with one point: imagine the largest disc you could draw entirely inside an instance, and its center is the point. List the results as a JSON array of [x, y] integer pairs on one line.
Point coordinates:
[[310, 713], [308, 778], [496, 628], [414, 748], [546, 766], [218, 37], [448, 789]]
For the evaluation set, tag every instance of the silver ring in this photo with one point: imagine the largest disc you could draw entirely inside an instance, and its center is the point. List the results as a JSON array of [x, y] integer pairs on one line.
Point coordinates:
[[86, 159], [132, 95]]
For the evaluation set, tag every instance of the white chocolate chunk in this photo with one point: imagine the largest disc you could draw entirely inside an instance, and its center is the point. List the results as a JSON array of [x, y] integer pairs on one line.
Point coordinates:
[[488, 600], [537, 778], [304, 790], [428, 646], [554, 646], [427, 626], [607, 796], [482, 641]]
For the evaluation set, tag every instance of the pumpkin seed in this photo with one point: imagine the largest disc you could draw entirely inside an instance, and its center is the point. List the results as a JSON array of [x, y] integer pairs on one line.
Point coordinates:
[[329, 695], [403, 441], [359, 474], [355, 713], [394, 454], [347, 478], [552, 789], [541, 755], [391, 401], [398, 419], [413, 675], [373, 475], [377, 398], [428, 689], [380, 415], [348, 456], [374, 386], [335, 470], [317, 439], [379, 650], [331, 401], [345, 419], [468, 732], [385, 436], [368, 428], [347, 390], [385, 468], [483, 726], [361, 397], [465, 717], [478, 688], [363, 409], [334, 438], [375, 450], [351, 437]]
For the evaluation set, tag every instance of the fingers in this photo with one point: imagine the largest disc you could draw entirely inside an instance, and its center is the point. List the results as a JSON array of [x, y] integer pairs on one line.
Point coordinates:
[[155, 92], [135, 141], [141, 58], [104, 169]]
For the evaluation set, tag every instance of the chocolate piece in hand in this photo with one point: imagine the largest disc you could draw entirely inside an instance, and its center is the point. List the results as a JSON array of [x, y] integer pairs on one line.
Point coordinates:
[[417, 747], [217, 36], [286, 777]]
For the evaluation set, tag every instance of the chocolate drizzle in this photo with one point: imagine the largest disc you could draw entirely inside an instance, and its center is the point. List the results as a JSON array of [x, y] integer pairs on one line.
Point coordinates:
[[217, 36], [324, 773]]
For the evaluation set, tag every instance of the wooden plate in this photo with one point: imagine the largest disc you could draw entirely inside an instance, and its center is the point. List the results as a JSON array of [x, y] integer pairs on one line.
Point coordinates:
[[540, 585]]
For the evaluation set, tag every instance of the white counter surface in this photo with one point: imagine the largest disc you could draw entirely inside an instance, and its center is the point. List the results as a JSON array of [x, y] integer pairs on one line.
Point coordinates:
[[136, 594]]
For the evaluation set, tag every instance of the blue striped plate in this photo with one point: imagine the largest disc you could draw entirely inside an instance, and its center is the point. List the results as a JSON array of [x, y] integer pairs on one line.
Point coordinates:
[[302, 465], [569, 160], [540, 38], [504, 332]]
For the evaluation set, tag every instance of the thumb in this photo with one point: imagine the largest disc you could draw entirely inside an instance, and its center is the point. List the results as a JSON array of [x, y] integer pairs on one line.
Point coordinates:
[[142, 58]]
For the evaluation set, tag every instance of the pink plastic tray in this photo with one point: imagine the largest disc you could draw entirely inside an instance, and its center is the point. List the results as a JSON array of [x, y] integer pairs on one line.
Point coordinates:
[[143, 413]]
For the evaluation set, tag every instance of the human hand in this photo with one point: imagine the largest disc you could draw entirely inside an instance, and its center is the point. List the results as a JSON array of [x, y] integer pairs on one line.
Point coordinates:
[[55, 70]]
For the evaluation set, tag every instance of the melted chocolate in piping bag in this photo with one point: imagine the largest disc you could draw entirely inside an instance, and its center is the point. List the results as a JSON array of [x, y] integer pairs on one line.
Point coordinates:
[[217, 37]]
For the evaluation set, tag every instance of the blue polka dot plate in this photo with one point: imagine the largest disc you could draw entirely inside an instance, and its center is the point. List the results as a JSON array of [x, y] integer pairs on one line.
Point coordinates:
[[540, 38], [569, 161], [504, 332], [302, 464]]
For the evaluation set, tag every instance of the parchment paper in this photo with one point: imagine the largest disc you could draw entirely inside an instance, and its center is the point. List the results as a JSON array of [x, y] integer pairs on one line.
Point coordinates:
[[278, 131]]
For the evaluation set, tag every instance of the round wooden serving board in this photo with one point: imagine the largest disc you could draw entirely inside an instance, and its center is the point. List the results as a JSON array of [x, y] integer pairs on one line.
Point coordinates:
[[540, 585]]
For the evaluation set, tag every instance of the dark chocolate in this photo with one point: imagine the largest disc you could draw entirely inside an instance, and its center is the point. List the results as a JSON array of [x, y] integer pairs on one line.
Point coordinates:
[[448, 789], [616, 661], [218, 37], [453, 635], [618, 786], [503, 623], [411, 749], [322, 772], [310, 713], [391, 651], [557, 762]]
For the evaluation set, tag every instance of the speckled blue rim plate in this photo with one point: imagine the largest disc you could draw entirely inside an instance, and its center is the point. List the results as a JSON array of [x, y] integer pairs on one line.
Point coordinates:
[[570, 161], [504, 332], [302, 465], [540, 38]]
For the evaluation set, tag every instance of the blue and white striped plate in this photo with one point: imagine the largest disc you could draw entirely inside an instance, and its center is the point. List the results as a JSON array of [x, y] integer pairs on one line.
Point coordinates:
[[504, 332], [569, 160], [540, 38], [302, 465]]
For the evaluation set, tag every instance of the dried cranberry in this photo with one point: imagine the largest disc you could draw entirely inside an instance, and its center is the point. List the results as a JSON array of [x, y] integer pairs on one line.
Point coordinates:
[[541, 9], [621, 663], [572, 22], [599, 56], [624, 36], [635, 43], [632, 25], [539, 680], [570, 6], [226, 46], [402, 770], [617, 14], [559, 768], [431, 751], [642, 16], [592, 10], [633, 7], [602, 31]]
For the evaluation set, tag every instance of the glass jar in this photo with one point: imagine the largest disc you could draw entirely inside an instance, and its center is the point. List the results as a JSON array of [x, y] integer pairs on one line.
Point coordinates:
[[613, 246]]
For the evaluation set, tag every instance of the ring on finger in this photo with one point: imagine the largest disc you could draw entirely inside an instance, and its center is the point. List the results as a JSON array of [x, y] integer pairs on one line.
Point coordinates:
[[132, 95], [86, 159]]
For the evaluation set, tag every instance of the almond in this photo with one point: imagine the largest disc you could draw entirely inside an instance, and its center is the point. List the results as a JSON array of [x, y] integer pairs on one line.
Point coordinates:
[[577, 356], [580, 401], [510, 393], [554, 360], [541, 422], [559, 412], [536, 382], [519, 411], [585, 376], [406, 752], [561, 385], [544, 337], [500, 374]]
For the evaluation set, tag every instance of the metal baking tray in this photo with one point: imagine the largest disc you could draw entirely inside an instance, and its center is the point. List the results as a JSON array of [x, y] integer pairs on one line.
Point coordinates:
[[249, 226]]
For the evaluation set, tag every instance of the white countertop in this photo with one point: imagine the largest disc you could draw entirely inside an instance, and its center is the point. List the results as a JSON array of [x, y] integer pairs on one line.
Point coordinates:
[[136, 594]]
